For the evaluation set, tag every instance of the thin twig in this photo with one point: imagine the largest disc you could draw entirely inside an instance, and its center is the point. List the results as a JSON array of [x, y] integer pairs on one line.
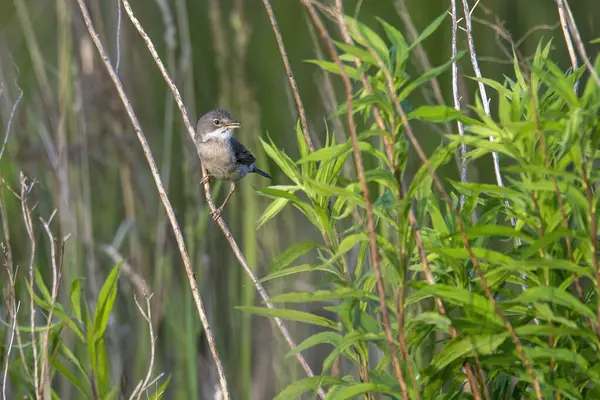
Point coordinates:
[[11, 275], [579, 43], [482, 90], [25, 189], [374, 253], [118, 38], [411, 218], [144, 384], [456, 98], [420, 52], [486, 107], [559, 195], [163, 195], [45, 373], [593, 235], [13, 328], [564, 25], [233, 244], [388, 143], [10, 119], [14, 310], [290, 75]]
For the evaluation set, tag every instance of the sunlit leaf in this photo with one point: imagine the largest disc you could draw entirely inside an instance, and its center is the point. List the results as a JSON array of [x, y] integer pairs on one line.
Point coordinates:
[[290, 315]]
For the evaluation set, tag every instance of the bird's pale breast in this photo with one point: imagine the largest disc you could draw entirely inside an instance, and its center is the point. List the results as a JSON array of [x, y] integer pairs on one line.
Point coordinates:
[[218, 159]]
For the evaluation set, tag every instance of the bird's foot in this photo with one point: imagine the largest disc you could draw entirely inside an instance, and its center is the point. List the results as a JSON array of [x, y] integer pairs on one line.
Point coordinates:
[[205, 179], [216, 213]]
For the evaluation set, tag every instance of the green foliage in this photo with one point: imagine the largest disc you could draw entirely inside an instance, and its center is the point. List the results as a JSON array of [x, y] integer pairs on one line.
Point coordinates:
[[88, 372], [534, 239]]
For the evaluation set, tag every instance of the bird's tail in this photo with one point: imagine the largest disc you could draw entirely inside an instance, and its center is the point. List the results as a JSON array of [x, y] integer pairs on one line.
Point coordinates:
[[261, 172]]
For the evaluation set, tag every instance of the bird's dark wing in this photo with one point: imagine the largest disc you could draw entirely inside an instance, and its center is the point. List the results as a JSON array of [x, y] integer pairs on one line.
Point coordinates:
[[241, 153]]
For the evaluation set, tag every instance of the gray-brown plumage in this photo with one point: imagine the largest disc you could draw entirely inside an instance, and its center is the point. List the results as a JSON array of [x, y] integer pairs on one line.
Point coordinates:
[[223, 156]]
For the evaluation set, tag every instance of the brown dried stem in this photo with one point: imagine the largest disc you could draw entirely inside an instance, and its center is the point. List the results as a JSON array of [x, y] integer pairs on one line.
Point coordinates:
[[579, 43], [593, 234], [162, 193], [363, 182], [420, 52], [564, 25], [290, 75], [559, 195], [25, 189], [456, 99], [233, 244], [144, 384], [56, 277], [10, 119], [416, 233]]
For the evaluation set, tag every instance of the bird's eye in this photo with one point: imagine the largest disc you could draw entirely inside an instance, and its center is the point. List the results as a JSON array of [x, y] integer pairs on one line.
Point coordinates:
[[217, 122]]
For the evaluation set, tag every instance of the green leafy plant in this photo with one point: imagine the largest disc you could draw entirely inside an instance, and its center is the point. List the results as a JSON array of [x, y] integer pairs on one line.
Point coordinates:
[[467, 291]]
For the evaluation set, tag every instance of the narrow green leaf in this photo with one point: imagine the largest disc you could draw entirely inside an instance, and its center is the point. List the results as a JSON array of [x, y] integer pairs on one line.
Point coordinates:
[[283, 162], [552, 295], [291, 254], [158, 394], [299, 269], [102, 372], [291, 315], [367, 37], [461, 347], [427, 76], [325, 153], [565, 355], [429, 30], [435, 114], [64, 371], [75, 297], [328, 337], [495, 230], [355, 51], [271, 211], [472, 301], [332, 67], [320, 296], [351, 392], [308, 384], [42, 286], [480, 253], [106, 299]]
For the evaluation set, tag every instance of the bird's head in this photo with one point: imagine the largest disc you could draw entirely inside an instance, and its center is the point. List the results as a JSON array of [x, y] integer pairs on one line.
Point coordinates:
[[216, 124]]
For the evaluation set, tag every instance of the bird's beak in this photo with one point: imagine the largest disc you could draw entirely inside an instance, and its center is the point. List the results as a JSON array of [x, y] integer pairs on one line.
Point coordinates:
[[234, 125]]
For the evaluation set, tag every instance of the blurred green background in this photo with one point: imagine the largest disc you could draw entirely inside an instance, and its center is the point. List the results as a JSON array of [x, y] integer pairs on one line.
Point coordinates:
[[70, 133]]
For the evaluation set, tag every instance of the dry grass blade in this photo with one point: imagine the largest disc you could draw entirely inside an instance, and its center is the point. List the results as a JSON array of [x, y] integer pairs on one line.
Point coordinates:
[[25, 190], [579, 43], [365, 190], [145, 383], [234, 246], [10, 119], [163, 195], [456, 99], [290, 75]]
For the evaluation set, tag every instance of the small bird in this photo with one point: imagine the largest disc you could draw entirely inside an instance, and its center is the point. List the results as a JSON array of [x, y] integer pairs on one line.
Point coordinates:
[[223, 156]]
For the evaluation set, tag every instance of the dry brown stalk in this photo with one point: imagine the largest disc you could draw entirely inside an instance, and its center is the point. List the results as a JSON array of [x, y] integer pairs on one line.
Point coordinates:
[[290, 75], [363, 182], [161, 190]]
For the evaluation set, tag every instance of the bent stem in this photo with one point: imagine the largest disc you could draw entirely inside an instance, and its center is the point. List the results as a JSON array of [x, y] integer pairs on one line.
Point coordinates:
[[163, 195]]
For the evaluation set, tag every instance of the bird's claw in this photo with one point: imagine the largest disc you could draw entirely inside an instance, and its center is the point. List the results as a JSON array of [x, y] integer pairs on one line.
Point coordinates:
[[205, 179]]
